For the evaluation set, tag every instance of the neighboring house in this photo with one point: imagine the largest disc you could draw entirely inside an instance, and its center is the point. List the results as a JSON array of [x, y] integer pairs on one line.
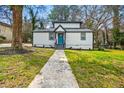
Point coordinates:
[[6, 31], [64, 34]]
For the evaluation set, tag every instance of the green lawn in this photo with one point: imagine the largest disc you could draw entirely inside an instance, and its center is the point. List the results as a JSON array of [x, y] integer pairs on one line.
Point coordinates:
[[103, 69], [20, 69]]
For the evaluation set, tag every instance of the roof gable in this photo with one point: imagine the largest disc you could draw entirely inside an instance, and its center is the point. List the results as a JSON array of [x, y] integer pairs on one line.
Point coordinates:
[[59, 29]]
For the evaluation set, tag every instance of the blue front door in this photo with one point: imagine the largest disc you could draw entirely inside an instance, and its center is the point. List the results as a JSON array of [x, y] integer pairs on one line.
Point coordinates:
[[60, 38]]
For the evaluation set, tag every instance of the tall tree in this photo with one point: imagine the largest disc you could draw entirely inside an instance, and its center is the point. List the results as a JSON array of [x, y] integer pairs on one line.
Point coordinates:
[[35, 11], [75, 13], [33, 16], [116, 24], [17, 26], [59, 13], [94, 18]]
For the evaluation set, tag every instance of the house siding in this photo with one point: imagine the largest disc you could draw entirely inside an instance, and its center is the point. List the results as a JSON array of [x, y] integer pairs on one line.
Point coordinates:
[[74, 41], [6, 32], [67, 25], [42, 39]]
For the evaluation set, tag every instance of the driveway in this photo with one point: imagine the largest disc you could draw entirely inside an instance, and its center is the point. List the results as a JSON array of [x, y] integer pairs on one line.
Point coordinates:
[[9, 45]]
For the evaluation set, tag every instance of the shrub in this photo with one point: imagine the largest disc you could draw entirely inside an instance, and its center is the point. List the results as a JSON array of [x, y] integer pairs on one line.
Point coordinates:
[[100, 49], [121, 40], [2, 38]]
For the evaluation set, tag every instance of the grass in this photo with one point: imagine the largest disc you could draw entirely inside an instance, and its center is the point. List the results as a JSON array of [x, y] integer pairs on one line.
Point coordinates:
[[102, 69], [20, 69]]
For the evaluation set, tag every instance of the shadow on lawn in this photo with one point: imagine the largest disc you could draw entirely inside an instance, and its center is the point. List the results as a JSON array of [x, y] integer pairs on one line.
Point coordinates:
[[10, 51]]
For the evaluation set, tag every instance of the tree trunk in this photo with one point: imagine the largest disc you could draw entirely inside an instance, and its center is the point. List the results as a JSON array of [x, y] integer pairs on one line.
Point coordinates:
[[97, 39], [17, 27], [103, 38], [106, 36], [116, 24]]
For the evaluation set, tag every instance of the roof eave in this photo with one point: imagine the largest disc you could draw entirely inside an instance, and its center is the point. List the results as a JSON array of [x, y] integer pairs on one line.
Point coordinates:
[[66, 22]]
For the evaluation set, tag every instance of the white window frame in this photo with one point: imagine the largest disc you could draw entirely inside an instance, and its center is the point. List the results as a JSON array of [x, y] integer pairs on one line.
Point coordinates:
[[51, 36], [83, 35]]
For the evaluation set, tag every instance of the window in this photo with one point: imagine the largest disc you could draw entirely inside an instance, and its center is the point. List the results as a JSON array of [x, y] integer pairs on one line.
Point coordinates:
[[51, 36], [83, 36]]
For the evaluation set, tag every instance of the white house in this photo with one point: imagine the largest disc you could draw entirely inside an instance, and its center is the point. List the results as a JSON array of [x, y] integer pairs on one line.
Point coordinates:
[[6, 31], [64, 35]]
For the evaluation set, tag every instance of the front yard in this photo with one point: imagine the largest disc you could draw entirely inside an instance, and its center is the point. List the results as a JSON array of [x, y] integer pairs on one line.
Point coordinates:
[[19, 70], [97, 68]]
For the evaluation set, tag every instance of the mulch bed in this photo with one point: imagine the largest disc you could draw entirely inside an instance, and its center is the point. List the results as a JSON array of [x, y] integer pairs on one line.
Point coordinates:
[[10, 51]]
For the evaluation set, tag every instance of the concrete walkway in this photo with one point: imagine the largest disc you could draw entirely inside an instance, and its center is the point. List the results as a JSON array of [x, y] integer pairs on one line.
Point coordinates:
[[55, 74]]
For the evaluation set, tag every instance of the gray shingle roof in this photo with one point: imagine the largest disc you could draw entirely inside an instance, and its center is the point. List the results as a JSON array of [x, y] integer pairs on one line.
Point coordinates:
[[67, 30]]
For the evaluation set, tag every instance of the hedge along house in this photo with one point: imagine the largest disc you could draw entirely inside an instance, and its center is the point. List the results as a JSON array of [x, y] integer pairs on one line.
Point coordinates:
[[64, 35]]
